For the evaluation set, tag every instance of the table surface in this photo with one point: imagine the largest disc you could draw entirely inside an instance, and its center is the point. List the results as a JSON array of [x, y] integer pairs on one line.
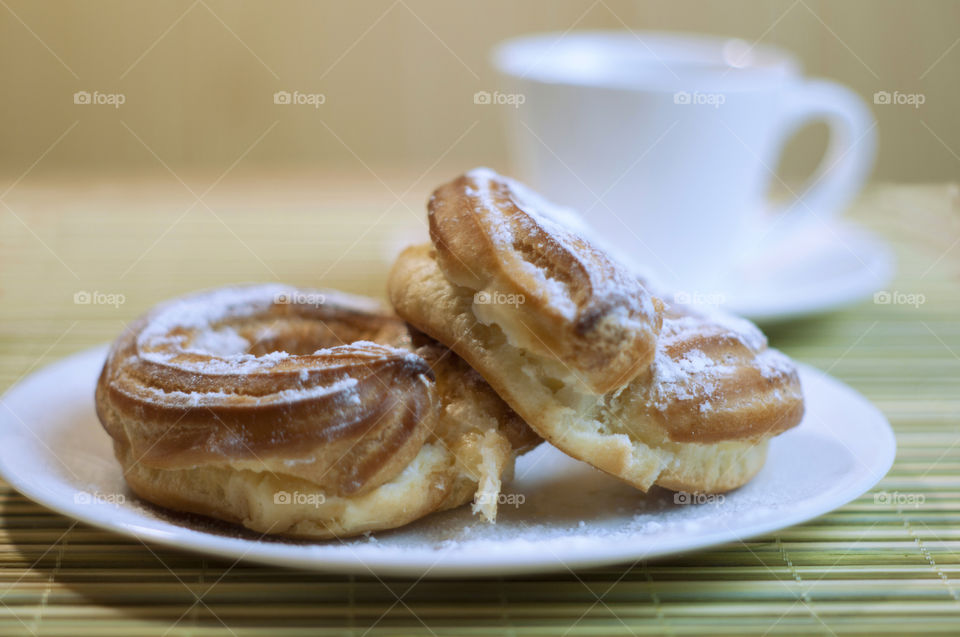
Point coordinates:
[[869, 567]]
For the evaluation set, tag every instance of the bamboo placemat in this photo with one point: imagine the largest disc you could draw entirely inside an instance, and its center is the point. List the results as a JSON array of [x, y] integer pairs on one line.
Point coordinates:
[[868, 568]]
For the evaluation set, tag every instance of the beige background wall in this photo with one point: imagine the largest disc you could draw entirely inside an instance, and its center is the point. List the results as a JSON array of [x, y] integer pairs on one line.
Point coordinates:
[[198, 77]]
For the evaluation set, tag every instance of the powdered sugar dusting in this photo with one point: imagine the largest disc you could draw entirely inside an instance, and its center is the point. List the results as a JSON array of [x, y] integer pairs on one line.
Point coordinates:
[[194, 335], [747, 332], [224, 341], [215, 398], [568, 228], [206, 308], [774, 364], [188, 325], [377, 350], [691, 376], [696, 374]]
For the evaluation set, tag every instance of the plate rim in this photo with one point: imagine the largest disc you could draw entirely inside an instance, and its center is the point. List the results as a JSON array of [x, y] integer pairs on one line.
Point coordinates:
[[409, 563], [855, 288]]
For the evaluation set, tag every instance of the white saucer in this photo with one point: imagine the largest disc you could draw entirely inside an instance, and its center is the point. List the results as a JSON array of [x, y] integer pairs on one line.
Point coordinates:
[[53, 450], [828, 266]]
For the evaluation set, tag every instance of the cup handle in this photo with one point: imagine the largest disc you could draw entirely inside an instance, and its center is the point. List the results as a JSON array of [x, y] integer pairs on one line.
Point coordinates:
[[850, 151]]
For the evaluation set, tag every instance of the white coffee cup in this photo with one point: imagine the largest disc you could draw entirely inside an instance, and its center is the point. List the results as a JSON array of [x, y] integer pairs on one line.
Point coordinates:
[[669, 143]]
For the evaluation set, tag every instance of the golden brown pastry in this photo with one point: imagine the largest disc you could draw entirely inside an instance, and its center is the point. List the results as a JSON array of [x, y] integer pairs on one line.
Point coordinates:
[[695, 413], [300, 412], [555, 294]]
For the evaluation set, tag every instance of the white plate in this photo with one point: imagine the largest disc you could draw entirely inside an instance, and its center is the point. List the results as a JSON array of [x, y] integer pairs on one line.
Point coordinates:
[[53, 450], [823, 268]]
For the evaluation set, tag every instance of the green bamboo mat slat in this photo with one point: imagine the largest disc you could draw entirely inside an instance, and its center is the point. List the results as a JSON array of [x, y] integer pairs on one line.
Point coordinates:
[[867, 569]]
